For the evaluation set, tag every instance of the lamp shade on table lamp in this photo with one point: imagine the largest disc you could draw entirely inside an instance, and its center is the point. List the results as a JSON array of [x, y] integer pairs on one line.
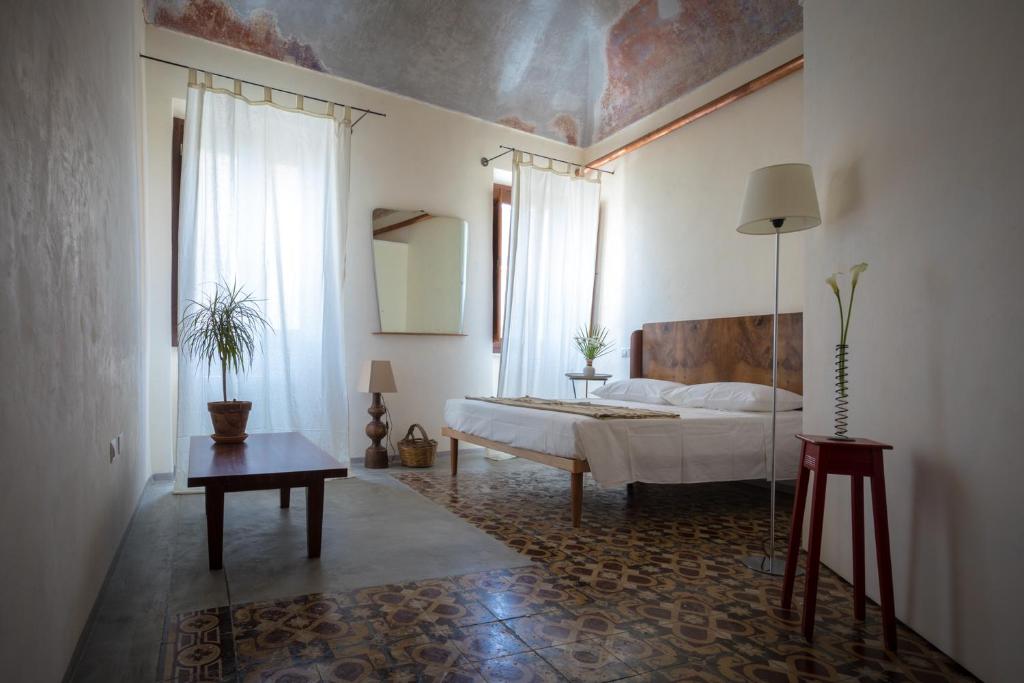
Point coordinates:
[[778, 199], [377, 378]]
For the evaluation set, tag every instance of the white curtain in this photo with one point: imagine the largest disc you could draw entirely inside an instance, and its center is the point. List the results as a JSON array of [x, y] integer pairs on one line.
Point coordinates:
[[552, 252], [264, 197]]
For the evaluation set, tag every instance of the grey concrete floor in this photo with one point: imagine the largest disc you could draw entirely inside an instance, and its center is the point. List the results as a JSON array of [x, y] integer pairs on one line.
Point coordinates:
[[376, 531]]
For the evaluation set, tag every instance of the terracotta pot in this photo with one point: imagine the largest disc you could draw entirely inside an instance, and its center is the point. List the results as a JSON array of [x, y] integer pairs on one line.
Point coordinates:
[[229, 419]]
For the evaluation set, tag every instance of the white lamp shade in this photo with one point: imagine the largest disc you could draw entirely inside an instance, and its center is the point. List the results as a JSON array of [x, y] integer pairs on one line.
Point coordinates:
[[784, 191], [377, 378]]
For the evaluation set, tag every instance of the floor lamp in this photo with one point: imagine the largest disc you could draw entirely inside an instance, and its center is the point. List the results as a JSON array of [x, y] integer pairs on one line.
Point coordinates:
[[778, 199]]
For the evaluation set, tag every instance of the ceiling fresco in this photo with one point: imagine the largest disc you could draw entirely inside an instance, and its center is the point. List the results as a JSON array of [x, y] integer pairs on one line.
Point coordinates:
[[572, 70]]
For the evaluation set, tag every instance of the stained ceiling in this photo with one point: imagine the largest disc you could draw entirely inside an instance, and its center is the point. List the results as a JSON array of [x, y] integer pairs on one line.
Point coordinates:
[[572, 70]]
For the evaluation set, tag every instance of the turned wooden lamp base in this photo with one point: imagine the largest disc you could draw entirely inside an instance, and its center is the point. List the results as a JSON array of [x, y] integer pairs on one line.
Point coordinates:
[[376, 455]]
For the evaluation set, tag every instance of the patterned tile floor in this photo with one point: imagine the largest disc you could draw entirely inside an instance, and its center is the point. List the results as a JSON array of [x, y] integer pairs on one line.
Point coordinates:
[[650, 589]]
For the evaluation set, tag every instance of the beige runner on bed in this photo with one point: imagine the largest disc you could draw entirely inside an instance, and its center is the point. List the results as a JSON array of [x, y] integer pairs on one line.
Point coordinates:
[[594, 410]]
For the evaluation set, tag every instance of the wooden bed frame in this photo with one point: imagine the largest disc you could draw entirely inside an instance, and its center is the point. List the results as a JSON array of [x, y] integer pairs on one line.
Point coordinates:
[[688, 351]]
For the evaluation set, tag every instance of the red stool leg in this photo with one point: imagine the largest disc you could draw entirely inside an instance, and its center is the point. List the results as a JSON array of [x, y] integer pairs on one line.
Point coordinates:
[[881, 518], [814, 551], [857, 505], [796, 527]]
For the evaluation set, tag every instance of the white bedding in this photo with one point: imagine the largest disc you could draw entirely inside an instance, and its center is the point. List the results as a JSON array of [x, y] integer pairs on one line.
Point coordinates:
[[704, 445]]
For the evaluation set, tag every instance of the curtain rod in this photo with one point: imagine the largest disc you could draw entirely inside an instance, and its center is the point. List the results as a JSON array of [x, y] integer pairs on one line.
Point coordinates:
[[484, 161], [261, 85]]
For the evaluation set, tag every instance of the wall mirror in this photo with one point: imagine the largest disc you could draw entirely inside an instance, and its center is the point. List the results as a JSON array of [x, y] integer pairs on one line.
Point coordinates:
[[419, 263]]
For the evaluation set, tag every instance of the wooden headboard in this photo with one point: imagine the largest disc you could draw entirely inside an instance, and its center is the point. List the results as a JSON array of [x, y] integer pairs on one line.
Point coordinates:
[[720, 350]]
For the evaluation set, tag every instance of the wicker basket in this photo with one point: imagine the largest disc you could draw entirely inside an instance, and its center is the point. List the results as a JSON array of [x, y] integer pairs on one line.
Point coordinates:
[[417, 452]]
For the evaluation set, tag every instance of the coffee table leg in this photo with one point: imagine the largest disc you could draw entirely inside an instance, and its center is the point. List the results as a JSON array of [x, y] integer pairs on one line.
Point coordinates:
[[314, 516], [215, 526], [286, 496]]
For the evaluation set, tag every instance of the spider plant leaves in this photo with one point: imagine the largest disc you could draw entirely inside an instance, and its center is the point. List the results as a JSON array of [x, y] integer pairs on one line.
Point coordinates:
[[226, 326]]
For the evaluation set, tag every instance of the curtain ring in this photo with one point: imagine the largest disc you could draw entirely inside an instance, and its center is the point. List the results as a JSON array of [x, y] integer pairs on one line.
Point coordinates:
[[238, 87], [268, 96], [348, 115], [299, 102], [192, 79], [330, 109], [207, 79]]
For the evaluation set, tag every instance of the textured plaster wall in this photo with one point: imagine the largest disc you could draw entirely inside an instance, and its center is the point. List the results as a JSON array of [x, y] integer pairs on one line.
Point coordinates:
[[70, 323], [916, 138], [419, 157]]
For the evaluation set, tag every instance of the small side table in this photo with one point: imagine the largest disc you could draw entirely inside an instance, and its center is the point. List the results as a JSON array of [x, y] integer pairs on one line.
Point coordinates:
[[577, 376], [857, 458]]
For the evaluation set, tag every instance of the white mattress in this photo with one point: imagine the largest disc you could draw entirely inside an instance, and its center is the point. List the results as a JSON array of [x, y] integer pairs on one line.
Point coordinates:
[[702, 446]]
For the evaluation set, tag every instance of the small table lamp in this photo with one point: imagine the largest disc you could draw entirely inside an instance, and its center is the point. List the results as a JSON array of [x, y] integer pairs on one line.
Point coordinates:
[[377, 378], [779, 199]]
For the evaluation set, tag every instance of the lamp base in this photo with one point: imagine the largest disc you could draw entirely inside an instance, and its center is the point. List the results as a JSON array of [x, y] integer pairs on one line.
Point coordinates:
[[376, 458], [772, 566], [376, 455]]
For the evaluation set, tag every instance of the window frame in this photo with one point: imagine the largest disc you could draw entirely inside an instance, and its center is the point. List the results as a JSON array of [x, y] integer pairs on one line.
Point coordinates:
[[502, 194], [177, 142]]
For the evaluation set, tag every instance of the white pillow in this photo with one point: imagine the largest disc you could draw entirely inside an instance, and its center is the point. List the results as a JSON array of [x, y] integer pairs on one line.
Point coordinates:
[[639, 390], [688, 395], [738, 396]]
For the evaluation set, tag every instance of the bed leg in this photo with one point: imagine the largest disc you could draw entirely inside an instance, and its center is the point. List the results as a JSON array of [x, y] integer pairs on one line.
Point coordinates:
[[577, 498], [455, 456], [630, 489]]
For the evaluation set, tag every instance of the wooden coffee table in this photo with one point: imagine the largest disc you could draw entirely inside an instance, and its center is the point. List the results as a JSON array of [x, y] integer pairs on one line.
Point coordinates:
[[263, 461]]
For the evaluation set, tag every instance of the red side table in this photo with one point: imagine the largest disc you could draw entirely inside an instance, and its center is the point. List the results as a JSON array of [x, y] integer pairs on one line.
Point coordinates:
[[857, 458]]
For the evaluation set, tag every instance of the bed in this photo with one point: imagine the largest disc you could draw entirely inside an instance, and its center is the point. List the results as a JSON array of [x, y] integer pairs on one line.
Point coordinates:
[[699, 446]]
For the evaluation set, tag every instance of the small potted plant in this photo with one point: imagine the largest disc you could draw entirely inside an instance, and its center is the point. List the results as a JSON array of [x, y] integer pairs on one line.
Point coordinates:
[[226, 326], [592, 343]]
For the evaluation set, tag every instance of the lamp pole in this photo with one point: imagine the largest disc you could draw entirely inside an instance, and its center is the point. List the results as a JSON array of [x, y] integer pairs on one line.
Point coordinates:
[[775, 392], [768, 565]]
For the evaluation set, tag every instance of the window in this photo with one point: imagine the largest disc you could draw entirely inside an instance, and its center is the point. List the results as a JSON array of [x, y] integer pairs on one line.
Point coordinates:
[[502, 218], [177, 140]]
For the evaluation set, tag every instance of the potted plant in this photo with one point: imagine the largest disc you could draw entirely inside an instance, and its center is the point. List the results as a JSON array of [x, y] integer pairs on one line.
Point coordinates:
[[593, 343], [226, 326]]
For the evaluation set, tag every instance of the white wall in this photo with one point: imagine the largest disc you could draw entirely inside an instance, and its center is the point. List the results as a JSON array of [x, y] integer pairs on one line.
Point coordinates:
[[914, 130], [70, 318], [420, 156], [163, 99], [669, 246]]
